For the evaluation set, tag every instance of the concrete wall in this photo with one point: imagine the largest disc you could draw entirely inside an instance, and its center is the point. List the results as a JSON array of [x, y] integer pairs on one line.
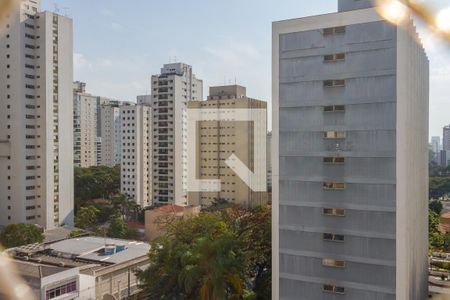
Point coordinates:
[[381, 259], [412, 165], [347, 5]]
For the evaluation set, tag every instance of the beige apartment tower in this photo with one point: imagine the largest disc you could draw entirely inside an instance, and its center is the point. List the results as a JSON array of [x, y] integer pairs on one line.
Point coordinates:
[[85, 126], [217, 140], [36, 147]]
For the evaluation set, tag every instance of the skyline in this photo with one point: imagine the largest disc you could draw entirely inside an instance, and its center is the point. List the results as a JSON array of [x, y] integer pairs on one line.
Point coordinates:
[[221, 53]]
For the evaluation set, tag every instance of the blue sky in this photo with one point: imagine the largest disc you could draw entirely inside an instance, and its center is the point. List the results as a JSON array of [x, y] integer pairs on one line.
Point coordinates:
[[117, 46]]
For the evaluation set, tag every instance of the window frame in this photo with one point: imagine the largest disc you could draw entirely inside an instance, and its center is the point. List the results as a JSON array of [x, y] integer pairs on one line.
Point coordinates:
[[333, 212]]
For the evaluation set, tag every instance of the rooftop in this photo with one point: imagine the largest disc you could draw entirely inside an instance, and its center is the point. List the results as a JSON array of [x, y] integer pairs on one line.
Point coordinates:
[[170, 208], [93, 249], [35, 270]]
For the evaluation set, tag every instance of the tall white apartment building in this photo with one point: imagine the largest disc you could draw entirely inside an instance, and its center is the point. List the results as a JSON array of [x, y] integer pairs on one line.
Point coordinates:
[[171, 90], [85, 126], [136, 152], [110, 135], [96, 129], [36, 147]]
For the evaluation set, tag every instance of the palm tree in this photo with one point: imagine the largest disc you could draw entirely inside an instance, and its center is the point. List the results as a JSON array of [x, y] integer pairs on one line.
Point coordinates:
[[212, 270]]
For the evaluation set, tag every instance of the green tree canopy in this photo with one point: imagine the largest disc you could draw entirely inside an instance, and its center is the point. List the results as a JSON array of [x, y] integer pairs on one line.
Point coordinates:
[[117, 228], [215, 256], [19, 234], [86, 217], [436, 206], [96, 182]]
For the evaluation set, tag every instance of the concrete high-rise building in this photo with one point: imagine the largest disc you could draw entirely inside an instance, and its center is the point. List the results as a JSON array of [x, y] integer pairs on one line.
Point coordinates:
[[85, 126], [217, 140], [446, 138], [136, 152], [96, 129], [36, 148], [110, 135], [435, 144], [171, 91], [350, 155]]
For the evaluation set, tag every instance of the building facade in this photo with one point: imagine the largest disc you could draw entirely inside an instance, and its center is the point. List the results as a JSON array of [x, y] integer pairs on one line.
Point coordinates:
[[436, 144], [171, 91], [85, 126], [136, 151], [216, 141], [446, 138], [350, 157], [110, 133], [83, 268], [36, 147]]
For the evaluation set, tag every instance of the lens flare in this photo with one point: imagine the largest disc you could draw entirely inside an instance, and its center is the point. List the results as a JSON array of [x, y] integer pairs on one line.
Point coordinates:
[[393, 11], [443, 20]]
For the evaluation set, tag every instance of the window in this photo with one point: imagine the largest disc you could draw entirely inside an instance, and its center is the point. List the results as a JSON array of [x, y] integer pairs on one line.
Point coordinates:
[[334, 134], [334, 108], [328, 262], [334, 160], [337, 212], [333, 237], [334, 57], [333, 186], [333, 289], [334, 83], [334, 30]]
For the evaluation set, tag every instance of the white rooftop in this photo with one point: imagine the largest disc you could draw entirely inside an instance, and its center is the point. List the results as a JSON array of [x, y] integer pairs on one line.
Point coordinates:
[[92, 248]]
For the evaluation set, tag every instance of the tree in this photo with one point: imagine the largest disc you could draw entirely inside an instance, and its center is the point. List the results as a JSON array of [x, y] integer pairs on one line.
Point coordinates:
[[436, 206], [95, 182], [117, 227], [15, 235], [86, 217], [224, 254]]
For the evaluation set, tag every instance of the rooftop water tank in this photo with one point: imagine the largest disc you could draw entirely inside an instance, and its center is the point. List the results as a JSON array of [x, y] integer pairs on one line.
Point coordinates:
[[110, 249]]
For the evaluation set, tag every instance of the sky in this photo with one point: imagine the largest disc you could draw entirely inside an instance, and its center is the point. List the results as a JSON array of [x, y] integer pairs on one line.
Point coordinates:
[[119, 44]]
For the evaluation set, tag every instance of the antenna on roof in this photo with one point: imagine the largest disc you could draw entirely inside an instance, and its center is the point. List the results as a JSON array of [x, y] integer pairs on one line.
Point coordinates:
[[56, 7], [66, 10]]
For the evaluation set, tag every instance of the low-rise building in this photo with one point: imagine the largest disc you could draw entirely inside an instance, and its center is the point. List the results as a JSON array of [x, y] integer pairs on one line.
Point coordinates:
[[82, 268], [157, 219]]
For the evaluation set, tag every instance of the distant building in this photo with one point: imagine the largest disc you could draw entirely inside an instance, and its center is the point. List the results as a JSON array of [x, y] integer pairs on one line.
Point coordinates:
[[157, 219], [82, 268], [110, 135], [436, 144], [216, 141], [136, 152], [85, 126], [444, 157], [172, 89], [446, 138]]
